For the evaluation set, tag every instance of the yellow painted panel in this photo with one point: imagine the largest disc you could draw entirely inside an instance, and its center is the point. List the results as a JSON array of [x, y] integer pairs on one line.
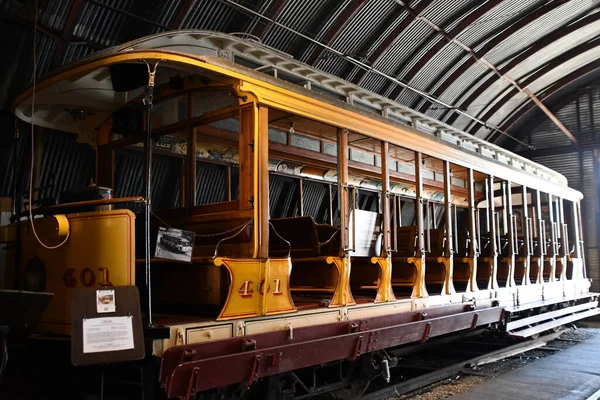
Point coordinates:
[[98, 253]]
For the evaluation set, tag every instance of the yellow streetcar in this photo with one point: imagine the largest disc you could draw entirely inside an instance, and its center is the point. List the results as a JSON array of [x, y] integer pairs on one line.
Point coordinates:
[[330, 223]]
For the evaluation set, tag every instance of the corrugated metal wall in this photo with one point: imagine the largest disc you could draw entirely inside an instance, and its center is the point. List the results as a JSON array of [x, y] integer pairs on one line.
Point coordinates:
[[578, 166]]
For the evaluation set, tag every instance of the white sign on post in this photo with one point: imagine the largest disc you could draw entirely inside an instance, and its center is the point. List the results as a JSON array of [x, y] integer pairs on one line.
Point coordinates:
[[107, 334]]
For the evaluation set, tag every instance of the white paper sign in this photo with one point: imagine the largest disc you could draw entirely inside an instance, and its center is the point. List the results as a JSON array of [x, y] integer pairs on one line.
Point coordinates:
[[105, 301], [107, 334]]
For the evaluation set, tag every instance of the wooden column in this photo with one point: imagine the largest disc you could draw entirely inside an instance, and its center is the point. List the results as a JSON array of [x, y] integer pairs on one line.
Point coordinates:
[[553, 240], [492, 257], [384, 290], [563, 251], [419, 288], [527, 237], [342, 139], [541, 237], [511, 230], [261, 193], [471, 259], [448, 260], [385, 197]]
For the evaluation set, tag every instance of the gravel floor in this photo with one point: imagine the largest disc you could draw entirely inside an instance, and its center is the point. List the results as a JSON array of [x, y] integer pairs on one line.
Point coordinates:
[[448, 388]]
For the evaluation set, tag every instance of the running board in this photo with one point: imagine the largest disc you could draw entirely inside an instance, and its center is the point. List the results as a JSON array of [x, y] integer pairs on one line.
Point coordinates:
[[530, 326]]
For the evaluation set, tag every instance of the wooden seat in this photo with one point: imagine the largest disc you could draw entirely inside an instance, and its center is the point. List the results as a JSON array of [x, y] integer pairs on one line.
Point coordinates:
[[312, 247], [306, 238]]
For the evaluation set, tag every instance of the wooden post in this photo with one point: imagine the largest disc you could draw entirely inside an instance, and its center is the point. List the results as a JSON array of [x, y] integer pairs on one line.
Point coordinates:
[[492, 257], [473, 229], [448, 260], [342, 135], [510, 230], [541, 237], [553, 240], [419, 288], [261, 144], [527, 249], [385, 198]]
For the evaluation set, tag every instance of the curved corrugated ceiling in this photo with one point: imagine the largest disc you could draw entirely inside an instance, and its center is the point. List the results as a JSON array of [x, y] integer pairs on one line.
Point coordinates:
[[541, 44]]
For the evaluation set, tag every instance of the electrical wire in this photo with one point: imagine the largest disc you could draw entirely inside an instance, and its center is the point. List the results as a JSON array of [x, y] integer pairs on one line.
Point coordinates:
[[30, 205]]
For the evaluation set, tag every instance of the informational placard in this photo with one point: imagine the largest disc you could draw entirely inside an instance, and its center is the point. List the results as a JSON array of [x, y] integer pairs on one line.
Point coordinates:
[[368, 233], [106, 325], [174, 244], [107, 334], [105, 301]]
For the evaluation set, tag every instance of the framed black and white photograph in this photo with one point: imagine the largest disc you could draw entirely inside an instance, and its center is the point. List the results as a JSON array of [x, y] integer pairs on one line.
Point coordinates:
[[174, 244]]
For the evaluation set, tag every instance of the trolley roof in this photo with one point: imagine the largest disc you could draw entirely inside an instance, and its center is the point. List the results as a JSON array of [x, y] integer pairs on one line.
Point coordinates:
[[79, 97]]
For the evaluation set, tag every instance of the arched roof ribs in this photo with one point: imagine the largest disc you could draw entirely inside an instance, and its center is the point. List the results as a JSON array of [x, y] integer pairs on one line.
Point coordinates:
[[524, 54], [503, 35], [335, 29], [184, 9], [67, 34], [262, 27], [385, 43], [547, 92], [473, 16], [555, 62]]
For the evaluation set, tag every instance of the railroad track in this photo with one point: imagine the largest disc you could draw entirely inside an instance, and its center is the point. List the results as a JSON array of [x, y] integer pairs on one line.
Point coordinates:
[[463, 367]]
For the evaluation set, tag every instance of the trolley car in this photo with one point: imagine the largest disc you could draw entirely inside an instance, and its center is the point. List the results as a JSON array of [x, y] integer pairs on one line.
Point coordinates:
[[330, 223]]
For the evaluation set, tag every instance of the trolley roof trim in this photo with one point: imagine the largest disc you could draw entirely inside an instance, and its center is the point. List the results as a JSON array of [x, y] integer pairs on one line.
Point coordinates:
[[534, 180]]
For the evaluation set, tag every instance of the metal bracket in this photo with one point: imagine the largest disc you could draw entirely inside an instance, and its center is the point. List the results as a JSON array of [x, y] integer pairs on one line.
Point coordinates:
[[274, 360], [357, 349], [249, 345], [187, 355], [426, 332], [193, 383], [474, 323], [254, 373]]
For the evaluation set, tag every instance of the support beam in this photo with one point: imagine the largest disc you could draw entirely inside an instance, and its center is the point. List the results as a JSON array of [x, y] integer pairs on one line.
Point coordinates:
[[262, 27], [452, 39], [351, 10], [531, 78], [472, 16], [184, 9], [67, 33], [519, 58]]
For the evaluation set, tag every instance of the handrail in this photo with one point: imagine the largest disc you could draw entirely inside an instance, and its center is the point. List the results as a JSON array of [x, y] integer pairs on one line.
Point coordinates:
[[87, 203], [542, 237], [428, 225], [515, 239], [566, 249], [477, 231], [455, 228], [232, 236], [529, 225], [498, 239], [554, 238], [395, 212], [282, 239]]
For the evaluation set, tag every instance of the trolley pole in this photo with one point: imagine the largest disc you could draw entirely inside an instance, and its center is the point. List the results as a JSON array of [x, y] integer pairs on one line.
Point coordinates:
[[148, 189]]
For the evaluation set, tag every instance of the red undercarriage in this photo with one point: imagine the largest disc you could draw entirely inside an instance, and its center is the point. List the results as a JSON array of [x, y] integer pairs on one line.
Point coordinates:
[[190, 369]]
